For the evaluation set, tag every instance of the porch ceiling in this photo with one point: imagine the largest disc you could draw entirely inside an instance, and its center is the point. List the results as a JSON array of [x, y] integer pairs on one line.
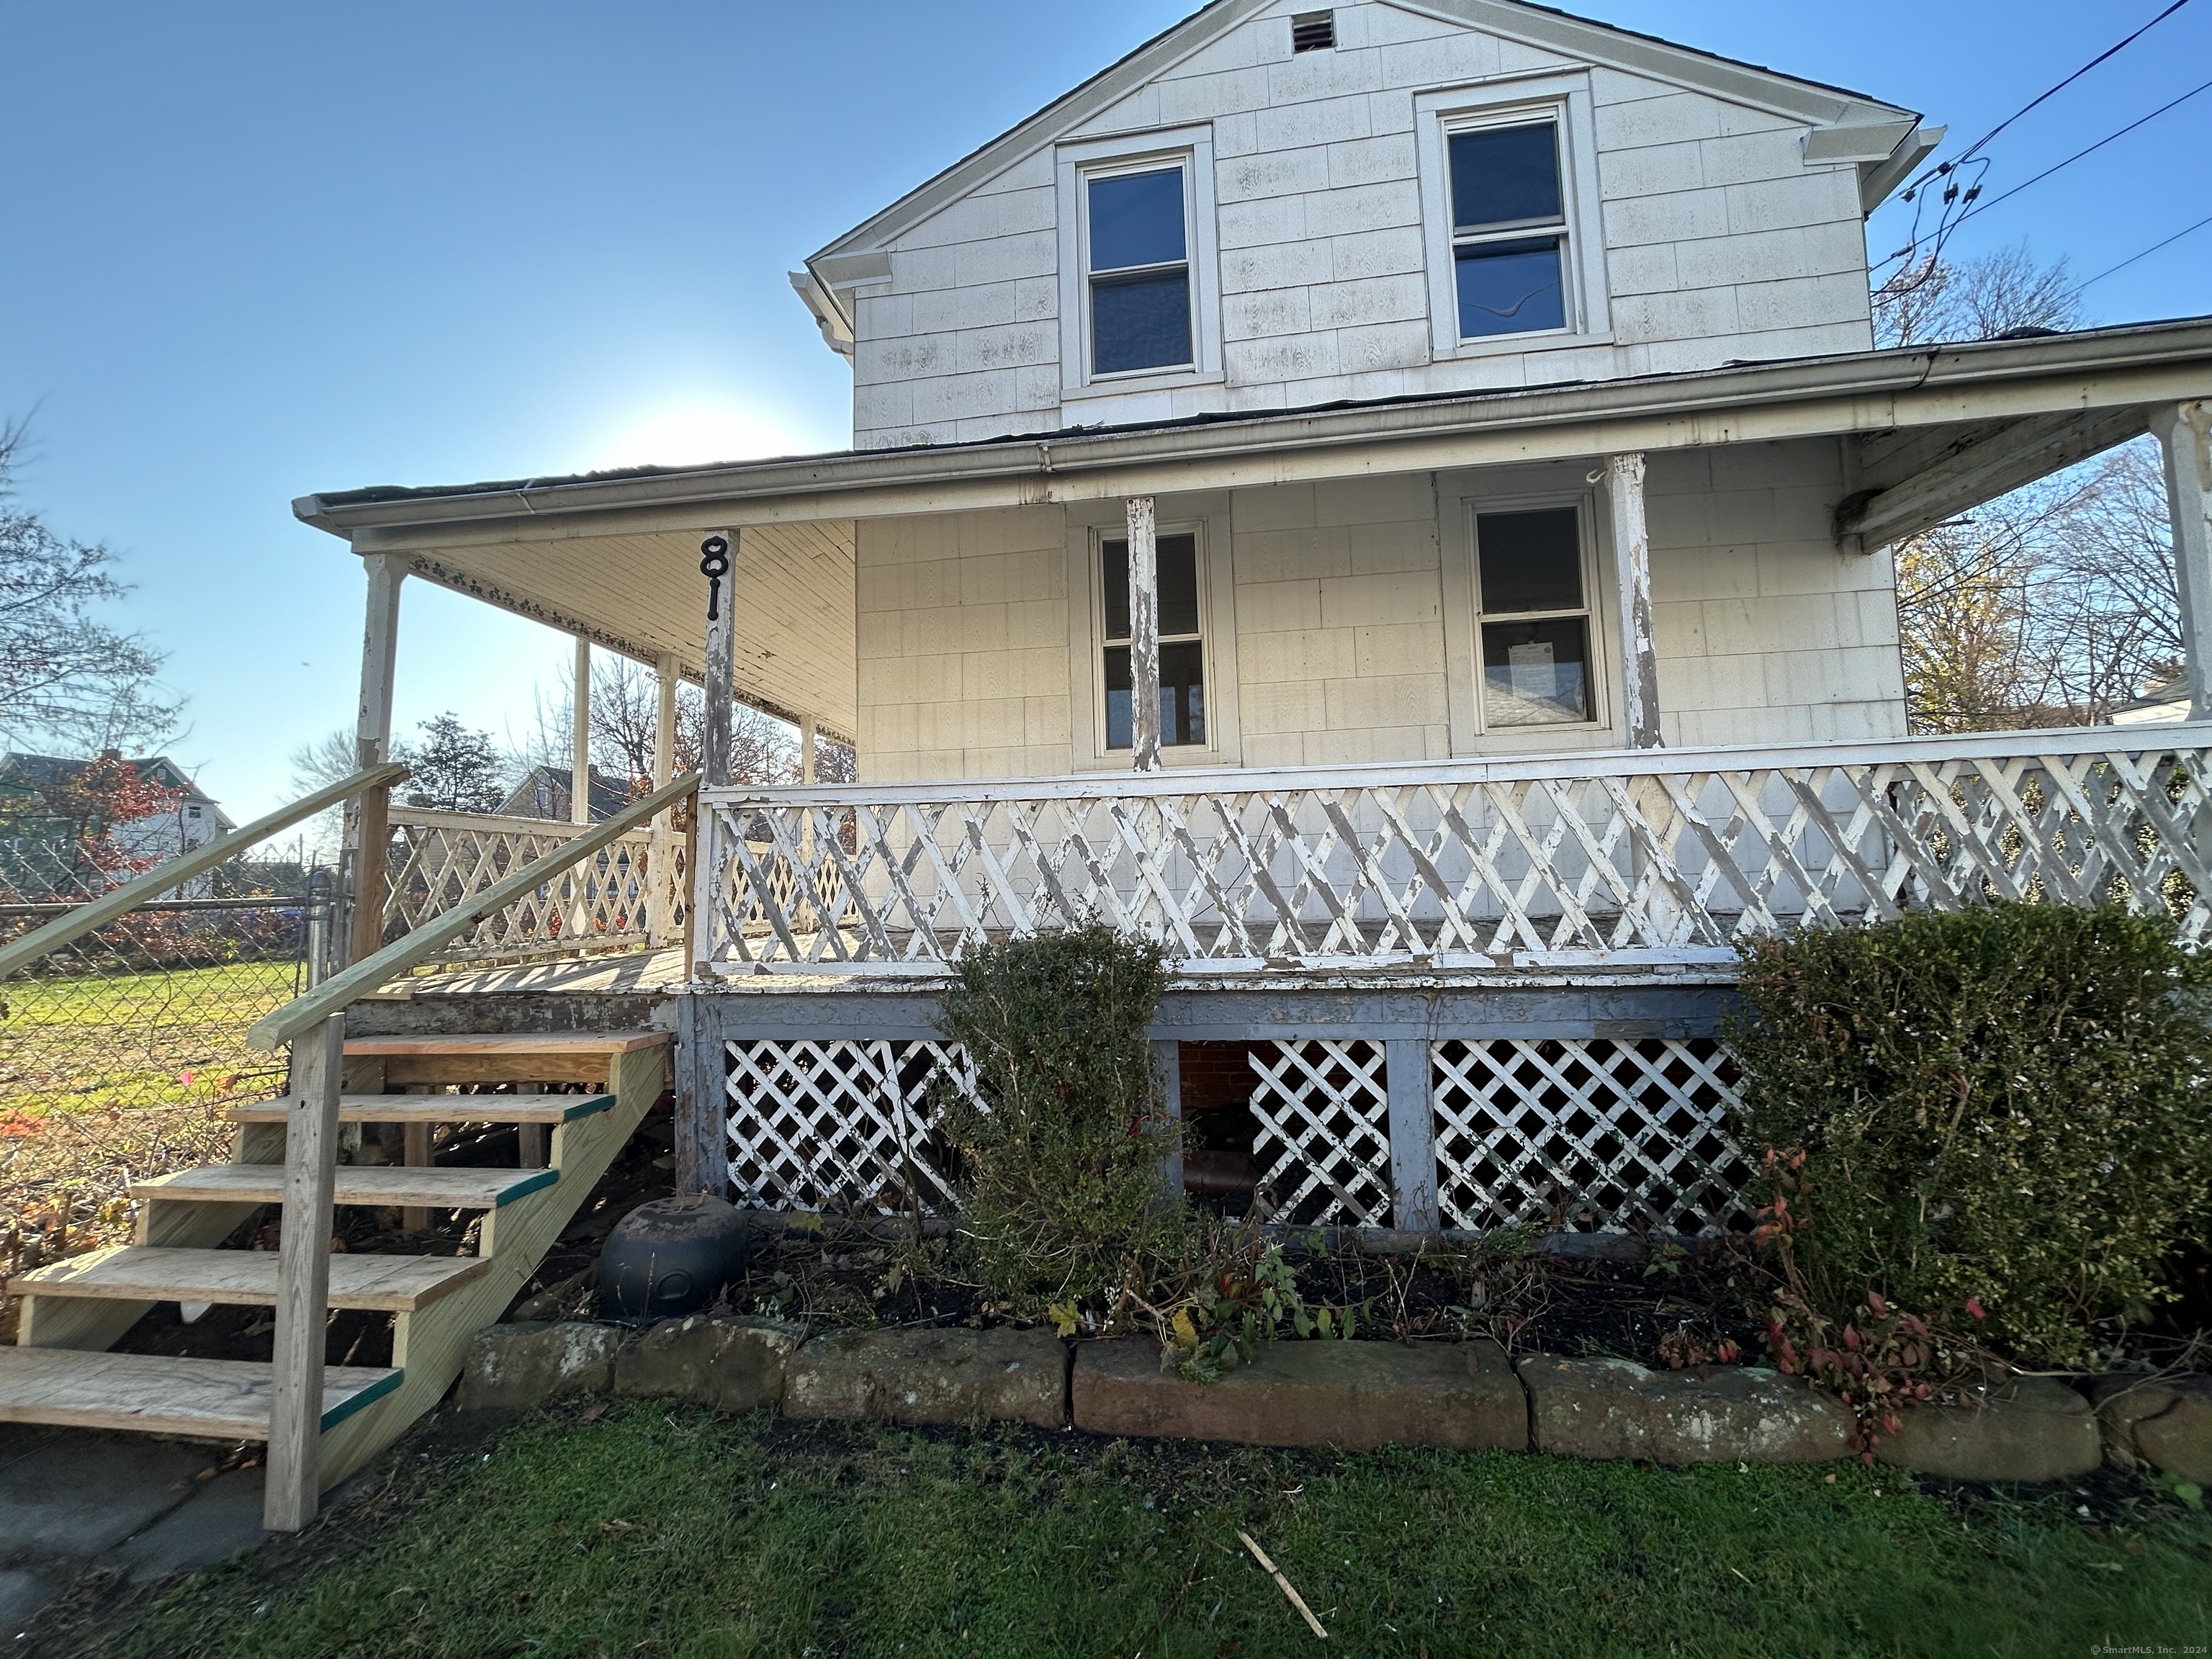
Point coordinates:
[[641, 593]]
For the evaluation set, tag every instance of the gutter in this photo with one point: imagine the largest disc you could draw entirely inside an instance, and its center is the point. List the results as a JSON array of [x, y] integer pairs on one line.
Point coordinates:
[[1061, 456]]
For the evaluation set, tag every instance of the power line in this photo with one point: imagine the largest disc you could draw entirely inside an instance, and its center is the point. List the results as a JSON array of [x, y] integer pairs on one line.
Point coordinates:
[[2046, 97], [2091, 149], [2148, 251], [1945, 224]]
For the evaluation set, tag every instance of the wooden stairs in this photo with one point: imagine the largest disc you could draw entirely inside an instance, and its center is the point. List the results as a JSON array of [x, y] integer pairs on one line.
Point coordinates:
[[59, 1371]]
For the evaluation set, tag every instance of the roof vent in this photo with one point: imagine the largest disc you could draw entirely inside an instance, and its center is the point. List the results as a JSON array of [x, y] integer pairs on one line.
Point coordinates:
[[1313, 31]]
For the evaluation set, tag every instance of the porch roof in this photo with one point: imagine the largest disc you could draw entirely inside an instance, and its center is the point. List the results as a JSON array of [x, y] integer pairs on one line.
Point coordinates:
[[614, 555]]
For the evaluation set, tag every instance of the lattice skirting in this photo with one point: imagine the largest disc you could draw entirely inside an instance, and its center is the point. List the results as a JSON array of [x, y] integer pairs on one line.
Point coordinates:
[[1323, 1147], [838, 1126], [1587, 1134], [1596, 1135]]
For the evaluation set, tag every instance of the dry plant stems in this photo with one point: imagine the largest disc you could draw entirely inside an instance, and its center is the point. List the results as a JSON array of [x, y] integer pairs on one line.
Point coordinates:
[[1502, 1282], [1056, 1162], [2002, 1105], [1231, 1292]]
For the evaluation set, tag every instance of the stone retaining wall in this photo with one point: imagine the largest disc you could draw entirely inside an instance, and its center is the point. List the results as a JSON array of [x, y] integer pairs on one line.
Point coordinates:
[[1351, 1396]]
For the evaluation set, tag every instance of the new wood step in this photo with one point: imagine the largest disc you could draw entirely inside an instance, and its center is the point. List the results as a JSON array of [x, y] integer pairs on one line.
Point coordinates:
[[445, 1188], [139, 1273], [439, 1109], [505, 1043], [225, 1398]]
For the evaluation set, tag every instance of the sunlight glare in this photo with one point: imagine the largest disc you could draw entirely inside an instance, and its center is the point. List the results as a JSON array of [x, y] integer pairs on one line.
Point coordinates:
[[696, 433]]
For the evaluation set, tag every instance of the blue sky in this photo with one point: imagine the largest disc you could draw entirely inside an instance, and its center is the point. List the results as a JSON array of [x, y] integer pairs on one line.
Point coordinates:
[[255, 251]]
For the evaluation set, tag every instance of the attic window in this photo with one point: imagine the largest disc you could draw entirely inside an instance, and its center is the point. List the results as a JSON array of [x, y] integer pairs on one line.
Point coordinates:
[[1313, 31]]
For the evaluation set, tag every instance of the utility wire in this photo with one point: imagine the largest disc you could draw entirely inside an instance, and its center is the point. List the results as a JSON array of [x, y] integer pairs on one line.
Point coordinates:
[[2046, 97], [2148, 251], [1984, 207]]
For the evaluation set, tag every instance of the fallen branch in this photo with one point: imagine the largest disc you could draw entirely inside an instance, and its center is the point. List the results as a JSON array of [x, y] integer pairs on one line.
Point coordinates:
[[1283, 1583]]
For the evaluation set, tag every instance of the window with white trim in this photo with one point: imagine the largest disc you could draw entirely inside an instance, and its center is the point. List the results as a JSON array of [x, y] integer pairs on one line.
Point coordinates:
[[1136, 241], [1509, 227], [1182, 642], [1533, 617]]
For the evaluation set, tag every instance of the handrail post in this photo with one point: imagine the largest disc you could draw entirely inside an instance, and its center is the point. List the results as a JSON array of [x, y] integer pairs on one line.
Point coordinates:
[[373, 827], [293, 1489]]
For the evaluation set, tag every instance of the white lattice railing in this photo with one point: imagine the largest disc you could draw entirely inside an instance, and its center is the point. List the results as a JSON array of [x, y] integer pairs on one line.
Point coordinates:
[[1650, 857], [439, 860]]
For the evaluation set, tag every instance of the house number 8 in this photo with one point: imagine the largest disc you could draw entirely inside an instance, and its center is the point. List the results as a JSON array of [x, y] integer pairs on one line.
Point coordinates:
[[714, 565]]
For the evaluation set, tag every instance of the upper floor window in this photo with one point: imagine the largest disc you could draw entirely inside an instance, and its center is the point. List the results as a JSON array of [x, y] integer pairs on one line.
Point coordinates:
[[1137, 227], [1511, 206], [1182, 642], [1532, 596], [1509, 229]]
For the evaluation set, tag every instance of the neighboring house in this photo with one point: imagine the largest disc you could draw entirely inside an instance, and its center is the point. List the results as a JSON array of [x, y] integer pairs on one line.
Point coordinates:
[[1393, 502], [29, 787], [2166, 700], [548, 792]]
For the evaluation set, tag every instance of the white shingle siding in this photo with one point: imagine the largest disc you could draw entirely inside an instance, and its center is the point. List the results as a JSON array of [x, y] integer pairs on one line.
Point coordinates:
[[1765, 632], [1720, 243]]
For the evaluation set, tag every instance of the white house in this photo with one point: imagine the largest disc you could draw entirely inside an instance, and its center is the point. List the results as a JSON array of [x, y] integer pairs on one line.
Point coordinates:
[[1394, 501]]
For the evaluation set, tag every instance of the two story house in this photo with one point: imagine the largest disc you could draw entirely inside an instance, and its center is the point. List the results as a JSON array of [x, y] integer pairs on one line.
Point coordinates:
[[1394, 502]]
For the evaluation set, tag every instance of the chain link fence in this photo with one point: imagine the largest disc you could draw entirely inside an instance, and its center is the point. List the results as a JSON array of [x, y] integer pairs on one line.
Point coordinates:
[[120, 1051]]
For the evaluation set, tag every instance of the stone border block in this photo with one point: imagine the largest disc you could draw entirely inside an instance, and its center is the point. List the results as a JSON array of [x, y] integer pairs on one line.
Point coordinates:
[[732, 1365], [1616, 1408], [1351, 1396], [2031, 1428], [930, 1376], [2165, 1422], [519, 1364]]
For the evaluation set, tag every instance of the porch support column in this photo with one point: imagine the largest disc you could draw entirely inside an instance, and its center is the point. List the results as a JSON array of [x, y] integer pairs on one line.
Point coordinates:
[[1631, 563], [2184, 432], [660, 915], [580, 738], [720, 548], [806, 750], [368, 814], [1144, 637]]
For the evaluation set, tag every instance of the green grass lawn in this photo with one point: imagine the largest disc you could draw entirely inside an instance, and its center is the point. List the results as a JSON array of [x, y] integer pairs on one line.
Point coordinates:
[[167, 1037], [657, 1529]]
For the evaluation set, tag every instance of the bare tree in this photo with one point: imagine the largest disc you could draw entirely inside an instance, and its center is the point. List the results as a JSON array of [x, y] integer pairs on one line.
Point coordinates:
[[1934, 300], [625, 713], [2052, 606], [68, 679]]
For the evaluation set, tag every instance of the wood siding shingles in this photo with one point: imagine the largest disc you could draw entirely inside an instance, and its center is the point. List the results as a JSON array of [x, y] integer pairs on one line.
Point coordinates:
[[1722, 243]]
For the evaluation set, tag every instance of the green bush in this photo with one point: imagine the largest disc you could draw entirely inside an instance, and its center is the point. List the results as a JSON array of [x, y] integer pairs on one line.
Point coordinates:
[[1058, 1174], [2005, 1105]]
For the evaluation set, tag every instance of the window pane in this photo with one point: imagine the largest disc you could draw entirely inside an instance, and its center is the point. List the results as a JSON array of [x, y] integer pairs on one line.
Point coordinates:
[[1505, 175], [1535, 673], [1530, 561], [1183, 693], [1140, 322], [1178, 561], [1114, 587], [1136, 219], [1117, 698], [1511, 287]]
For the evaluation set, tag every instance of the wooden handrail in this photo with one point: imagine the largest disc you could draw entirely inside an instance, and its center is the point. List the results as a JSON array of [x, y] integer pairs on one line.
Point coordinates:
[[98, 912], [335, 993]]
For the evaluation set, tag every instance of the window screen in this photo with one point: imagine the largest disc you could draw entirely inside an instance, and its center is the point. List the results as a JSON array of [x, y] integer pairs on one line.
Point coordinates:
[[1140, 271]]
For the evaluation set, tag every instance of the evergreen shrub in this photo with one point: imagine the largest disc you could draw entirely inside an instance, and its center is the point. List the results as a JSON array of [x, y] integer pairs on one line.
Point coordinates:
[[1058, 1171], [2004, 1112]]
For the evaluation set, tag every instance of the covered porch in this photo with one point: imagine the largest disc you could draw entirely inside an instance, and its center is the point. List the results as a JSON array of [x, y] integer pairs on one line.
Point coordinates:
[[1478, 983]]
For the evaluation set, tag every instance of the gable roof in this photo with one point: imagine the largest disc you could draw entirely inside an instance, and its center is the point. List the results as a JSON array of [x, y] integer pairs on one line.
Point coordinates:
[[37, 770], [1816, 103], [609, 793]]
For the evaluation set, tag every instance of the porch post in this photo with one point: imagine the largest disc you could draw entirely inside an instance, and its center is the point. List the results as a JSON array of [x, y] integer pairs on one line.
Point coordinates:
[[660, 911], [806, 740], [721, 551], [2184, 432], [1631, 563], [368, 815], [580, 738], [1144, 637]]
